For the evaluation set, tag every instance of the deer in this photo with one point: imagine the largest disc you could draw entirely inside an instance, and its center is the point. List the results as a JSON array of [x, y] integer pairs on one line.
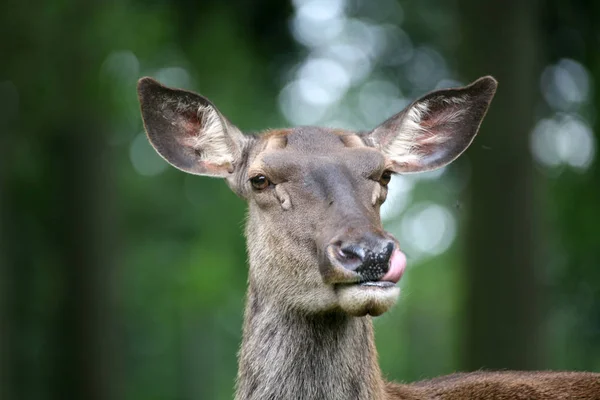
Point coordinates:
[[321, 266]]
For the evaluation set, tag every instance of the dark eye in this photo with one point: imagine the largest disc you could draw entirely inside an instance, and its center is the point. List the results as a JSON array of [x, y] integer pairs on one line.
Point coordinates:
[[260, 182], [385, 178]]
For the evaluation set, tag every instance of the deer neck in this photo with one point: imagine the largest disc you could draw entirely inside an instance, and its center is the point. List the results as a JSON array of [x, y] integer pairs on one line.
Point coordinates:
[[287, 355]]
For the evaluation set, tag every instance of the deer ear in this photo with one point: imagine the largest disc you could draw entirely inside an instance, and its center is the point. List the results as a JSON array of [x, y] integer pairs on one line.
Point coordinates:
[[188, 131], [434, 130]]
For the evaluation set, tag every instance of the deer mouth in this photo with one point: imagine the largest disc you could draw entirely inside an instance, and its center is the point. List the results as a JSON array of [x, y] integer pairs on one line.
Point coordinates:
[[377, 284], [370, 288]]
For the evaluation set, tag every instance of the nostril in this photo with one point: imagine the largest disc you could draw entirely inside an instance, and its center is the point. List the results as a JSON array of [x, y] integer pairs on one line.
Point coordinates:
[[352, 252], [348, 256]]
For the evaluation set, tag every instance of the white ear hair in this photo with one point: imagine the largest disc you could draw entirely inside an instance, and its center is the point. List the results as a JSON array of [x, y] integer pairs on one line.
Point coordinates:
[[403, 145], [435, 129], [414, 129], [188, 131], [212, 142]]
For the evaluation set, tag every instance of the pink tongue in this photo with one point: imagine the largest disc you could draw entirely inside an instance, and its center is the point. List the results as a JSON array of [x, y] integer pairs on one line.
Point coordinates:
[[397, 266]]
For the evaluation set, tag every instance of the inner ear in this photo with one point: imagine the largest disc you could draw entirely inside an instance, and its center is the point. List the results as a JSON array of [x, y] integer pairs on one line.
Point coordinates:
[[188, 131], [434, 130]]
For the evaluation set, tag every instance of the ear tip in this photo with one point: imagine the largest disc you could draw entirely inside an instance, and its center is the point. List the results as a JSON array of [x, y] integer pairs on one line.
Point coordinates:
[[146, 83], [489, 80], [486, 82]]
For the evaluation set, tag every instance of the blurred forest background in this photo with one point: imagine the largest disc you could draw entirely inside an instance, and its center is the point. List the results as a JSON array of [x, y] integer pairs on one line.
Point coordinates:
[[123, 278]]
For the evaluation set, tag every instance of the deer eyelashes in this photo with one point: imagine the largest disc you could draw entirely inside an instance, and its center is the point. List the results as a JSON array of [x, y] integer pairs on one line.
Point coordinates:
[[260, 182], [386, 177]]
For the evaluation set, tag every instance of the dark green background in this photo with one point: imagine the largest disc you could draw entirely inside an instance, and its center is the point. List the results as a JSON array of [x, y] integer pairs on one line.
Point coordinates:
[[121, 284]]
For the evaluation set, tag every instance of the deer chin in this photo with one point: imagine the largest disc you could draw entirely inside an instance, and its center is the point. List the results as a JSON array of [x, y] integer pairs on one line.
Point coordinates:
[[372, 298]]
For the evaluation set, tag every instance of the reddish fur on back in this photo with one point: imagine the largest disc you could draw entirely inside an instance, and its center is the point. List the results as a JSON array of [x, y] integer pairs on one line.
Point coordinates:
[[503, 385]]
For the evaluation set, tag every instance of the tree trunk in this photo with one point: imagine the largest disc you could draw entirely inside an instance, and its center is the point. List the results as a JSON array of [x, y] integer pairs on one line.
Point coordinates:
[[7, 109], [56, 237], [84, 332], [500, 38]]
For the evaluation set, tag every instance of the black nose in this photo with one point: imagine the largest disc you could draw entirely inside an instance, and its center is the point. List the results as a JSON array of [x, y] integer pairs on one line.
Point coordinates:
[[370, 260]]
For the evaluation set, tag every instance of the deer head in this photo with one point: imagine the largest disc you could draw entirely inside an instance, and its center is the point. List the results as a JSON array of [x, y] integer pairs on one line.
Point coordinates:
[[315, 237]]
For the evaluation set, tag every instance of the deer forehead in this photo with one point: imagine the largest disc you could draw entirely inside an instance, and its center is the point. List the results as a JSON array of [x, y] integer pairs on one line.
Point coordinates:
[[301, 151]]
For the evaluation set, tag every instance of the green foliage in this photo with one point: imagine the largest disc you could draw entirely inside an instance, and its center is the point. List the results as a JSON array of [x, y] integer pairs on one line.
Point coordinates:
[[123, 277]]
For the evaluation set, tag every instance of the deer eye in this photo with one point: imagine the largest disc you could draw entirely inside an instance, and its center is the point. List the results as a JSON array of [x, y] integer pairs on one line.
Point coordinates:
[[385, 178], [260, 182]]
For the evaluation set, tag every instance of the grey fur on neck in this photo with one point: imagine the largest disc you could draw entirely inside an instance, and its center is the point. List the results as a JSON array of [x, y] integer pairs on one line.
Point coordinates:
[[287, 355]]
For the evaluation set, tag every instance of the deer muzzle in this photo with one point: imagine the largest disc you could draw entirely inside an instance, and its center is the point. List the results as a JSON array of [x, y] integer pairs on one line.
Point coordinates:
[[371, 261]]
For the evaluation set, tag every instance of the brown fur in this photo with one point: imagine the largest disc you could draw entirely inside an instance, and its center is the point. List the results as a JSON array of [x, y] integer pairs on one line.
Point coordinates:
[[307, 326]]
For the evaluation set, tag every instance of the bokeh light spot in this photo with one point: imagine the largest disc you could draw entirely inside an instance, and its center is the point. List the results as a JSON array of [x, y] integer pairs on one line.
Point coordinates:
[[144, 158], [427, 229], [563, 140]]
